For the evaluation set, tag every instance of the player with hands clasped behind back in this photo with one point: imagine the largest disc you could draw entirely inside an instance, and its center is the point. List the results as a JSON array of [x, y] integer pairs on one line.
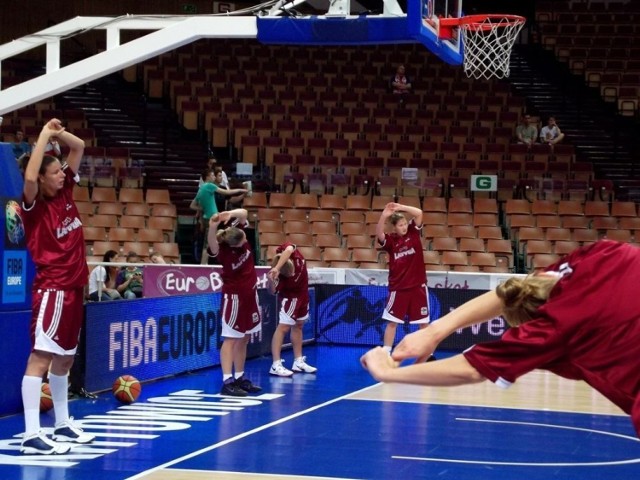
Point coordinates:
[[565, 320], [240, 311], [55, 241], [408, 296], [289, 278]]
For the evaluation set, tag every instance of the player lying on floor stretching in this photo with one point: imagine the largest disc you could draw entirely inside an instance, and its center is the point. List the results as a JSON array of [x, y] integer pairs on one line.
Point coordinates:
[[580, 319]]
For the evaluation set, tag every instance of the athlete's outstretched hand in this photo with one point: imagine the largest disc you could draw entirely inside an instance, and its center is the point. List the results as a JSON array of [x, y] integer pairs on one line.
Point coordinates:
[[420, 344], [378, 362]]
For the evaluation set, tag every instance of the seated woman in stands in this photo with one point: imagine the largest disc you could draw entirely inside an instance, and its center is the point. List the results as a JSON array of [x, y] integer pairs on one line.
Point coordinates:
[[129, 282], [102, 280]]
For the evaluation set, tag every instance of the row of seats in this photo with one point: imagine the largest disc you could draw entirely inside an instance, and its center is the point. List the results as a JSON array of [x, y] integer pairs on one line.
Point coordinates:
[[368, 258], [591, 46], [169, 250], [256, 149], [31, 119], [117, 209], [322, 206], [151, 196]]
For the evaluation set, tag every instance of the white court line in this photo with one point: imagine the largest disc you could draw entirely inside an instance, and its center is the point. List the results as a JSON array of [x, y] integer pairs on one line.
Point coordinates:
[[629, 461], [254, 474], [246, 434], [479, 405]]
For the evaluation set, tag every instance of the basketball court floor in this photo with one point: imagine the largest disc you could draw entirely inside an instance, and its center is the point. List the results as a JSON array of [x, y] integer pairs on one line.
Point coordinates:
[[339, 424]]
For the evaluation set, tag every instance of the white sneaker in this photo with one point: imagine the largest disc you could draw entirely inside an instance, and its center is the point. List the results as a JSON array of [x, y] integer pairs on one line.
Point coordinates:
[[39, 444], [68, 431], [302, 366], [279, 370]]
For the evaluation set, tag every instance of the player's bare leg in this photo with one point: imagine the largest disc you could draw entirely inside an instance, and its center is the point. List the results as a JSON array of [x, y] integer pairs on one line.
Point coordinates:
[[390, 335]]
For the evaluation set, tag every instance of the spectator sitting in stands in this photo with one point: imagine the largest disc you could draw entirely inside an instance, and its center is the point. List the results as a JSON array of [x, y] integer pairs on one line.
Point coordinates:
[[551, 134], [53, 148], [527, 132], [129, 282], [400, 83], [106, 276], [157, 258], [20, 145]]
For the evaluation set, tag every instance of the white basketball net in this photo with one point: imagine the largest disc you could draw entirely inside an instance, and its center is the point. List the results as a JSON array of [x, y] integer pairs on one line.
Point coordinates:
[[487, 45]]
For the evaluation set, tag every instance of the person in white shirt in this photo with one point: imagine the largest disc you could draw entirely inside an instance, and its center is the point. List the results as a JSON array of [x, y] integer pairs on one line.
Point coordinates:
[[102, 280], [550, 133]]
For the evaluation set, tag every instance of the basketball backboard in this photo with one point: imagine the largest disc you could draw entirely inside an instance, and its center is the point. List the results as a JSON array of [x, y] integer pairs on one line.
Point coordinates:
[[424, 24]]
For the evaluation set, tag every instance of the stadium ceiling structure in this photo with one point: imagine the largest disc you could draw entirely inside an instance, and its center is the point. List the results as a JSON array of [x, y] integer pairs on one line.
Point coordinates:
[[168, 33]]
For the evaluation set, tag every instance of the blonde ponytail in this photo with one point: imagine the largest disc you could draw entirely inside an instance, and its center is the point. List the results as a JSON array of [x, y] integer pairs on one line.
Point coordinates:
[[523, 296]]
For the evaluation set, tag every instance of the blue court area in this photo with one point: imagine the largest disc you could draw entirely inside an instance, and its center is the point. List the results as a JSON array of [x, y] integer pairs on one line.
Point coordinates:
[[325, 425]]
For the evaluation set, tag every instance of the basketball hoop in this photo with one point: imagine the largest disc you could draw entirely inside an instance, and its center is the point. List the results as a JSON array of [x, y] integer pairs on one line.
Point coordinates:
[[487, 41]]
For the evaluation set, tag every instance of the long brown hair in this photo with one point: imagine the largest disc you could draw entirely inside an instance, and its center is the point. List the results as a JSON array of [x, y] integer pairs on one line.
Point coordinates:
[[523, 296]]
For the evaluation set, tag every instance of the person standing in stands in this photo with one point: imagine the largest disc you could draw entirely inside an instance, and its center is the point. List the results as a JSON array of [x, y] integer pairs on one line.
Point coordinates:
[[408, 296], [240, 312], [205, 203], [55, 241], [289, 278], [20, 145]]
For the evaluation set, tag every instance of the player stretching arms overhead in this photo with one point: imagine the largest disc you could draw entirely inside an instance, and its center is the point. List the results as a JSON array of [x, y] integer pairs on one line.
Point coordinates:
[[289, 277], [580, 319], [240, 311], [56, 244], [408, 296]]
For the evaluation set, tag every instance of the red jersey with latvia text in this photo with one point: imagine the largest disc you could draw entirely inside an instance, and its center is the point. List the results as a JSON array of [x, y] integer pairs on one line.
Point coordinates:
[[238, 269], [55, 240], [589, 329], [298, 284], [406, 262]]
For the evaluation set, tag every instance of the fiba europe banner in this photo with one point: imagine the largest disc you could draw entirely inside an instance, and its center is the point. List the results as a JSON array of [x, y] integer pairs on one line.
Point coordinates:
[[14, 260], [353, 316], [169, 280], [155, 337]]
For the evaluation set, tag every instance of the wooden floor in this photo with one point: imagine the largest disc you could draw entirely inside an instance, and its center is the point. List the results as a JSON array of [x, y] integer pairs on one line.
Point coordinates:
[[341, 424], [538, 390]]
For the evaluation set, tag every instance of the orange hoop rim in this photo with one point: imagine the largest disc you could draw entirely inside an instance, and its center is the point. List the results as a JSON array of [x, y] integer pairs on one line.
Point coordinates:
[[475, 21]]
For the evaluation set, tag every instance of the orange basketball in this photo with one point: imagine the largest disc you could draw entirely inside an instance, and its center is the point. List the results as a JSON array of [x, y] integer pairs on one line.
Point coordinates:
[[126, 389], [46, 402]]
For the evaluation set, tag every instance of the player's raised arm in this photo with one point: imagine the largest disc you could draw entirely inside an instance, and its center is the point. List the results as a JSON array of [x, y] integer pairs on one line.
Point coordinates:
[[76, 149], [32, 170], [386, 213], [212, 237], [282, 259], [414, 212]]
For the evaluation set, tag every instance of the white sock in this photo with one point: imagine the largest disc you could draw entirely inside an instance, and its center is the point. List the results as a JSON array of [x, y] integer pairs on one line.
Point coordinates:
[[31, 387], [239, 375], [299, 360], [59, 385], [226, 377]]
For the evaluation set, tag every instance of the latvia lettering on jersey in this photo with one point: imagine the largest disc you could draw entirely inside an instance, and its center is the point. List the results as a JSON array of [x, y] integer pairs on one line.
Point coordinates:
[[406, 264], [55, 240], [238, 269]]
